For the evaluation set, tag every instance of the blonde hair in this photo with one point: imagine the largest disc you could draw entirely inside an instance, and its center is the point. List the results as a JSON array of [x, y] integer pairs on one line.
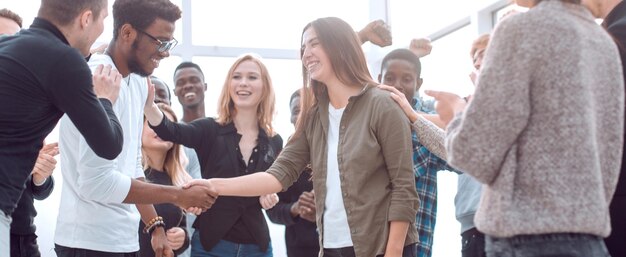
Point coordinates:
[[265, 110], [172, 165]]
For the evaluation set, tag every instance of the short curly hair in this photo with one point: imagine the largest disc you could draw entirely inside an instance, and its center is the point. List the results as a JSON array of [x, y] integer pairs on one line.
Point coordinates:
[[6, 13], [142, 13]]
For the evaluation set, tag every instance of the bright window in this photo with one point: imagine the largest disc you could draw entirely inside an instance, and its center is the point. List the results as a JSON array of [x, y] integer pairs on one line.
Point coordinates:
[[274, 24]]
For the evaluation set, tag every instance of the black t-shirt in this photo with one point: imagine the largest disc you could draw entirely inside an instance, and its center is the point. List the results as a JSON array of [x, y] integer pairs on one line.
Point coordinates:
[[172, 215], [41, 78]]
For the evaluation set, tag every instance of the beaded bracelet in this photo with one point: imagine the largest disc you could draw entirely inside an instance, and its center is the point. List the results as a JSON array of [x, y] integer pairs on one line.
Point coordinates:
[[153, 220], [152, 223], [151, 229]]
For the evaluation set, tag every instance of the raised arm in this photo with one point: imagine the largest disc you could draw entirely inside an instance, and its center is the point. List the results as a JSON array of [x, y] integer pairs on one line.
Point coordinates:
[[429, 134], [191, 135]]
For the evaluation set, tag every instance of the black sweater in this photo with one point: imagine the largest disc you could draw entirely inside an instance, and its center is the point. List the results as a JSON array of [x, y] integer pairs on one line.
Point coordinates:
[[236, 219], [301, 238], [23, 217], [172, 216], [42, 77]]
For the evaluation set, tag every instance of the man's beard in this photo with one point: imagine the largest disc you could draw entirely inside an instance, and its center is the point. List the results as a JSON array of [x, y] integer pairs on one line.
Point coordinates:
[[133, 63]]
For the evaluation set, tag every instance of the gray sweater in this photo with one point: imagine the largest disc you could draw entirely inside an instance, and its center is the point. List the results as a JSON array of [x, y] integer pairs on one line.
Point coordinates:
[[544, 130]]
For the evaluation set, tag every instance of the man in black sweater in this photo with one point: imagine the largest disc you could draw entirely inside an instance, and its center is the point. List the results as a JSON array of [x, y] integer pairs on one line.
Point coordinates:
[[43, 74]]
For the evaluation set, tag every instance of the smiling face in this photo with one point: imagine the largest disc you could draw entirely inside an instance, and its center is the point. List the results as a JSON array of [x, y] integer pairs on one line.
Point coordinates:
[[314, 57], [150, 140], [246, 85], [161, 92], [145, 56], [401, 74], [189, 87]]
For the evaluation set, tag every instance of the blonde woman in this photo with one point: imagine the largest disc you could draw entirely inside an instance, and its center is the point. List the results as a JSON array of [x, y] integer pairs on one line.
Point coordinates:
[[240, 141]]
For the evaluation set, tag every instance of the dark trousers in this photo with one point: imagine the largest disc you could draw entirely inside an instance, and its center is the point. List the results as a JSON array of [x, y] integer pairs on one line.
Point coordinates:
[[473, 243], [24, 246], [545, 245], [616, 242], [63, 251], [294, 251], [408, 251]]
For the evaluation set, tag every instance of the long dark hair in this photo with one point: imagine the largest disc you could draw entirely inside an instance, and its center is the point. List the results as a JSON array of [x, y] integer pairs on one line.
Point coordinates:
[[343, 48]]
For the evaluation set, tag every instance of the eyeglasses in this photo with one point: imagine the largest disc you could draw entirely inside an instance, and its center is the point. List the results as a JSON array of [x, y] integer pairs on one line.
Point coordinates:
[[164, 46]]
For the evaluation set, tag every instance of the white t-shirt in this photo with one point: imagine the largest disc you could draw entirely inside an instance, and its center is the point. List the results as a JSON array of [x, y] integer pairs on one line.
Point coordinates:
[[91, 213], [336, 228]]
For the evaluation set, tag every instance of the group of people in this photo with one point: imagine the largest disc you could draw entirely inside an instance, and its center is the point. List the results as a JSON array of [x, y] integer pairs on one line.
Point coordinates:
[[538, 175]]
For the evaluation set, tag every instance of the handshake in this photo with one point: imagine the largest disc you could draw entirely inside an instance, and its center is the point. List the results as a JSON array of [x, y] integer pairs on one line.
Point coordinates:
[[199, 195]]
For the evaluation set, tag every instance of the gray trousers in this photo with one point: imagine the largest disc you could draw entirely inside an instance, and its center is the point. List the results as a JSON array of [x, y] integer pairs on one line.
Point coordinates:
[[556, 245], [5, 234]]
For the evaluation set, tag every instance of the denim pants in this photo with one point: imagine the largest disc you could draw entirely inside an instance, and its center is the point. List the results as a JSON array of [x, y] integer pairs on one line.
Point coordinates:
[[408, 251], [5, 238], [227, 249], [63, 251], [24, 246], [547, 245]]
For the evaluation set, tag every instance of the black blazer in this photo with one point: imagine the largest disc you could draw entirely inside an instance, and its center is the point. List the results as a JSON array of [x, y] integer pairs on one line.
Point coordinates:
[[237, 219]]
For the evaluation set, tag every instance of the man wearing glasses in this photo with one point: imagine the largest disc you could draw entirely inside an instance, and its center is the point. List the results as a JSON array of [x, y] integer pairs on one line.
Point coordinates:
[[95, 217]]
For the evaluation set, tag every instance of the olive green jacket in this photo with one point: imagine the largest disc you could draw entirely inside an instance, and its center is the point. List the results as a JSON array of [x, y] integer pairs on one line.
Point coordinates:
[[375, 167]]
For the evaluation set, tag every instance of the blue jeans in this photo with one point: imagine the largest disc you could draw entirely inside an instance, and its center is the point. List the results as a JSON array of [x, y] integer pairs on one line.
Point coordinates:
[[227, 249], [547, 245]]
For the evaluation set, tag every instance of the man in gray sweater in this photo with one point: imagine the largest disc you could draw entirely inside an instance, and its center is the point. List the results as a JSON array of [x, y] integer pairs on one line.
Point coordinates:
[[544, 133]]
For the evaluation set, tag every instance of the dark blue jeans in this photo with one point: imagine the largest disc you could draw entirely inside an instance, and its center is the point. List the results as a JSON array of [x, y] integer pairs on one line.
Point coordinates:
[[547, 245], [63, 251], [408, 251], [227, 249]]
